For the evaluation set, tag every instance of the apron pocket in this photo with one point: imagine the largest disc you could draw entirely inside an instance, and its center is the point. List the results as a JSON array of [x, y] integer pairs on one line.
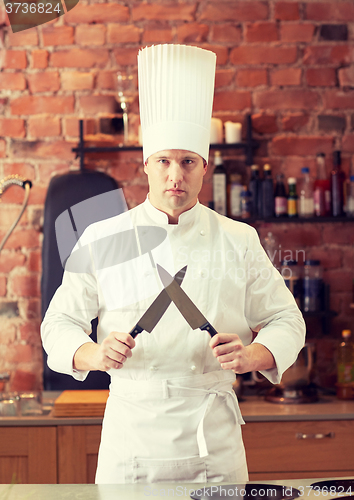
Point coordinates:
[[145, 470]]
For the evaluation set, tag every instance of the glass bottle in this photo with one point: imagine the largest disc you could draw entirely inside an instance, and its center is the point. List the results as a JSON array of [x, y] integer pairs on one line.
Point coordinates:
[[280, 197], [337, 185], [267, 193], [234, 195], [254, 188], [312, 285], [306, 204], [219, 184], [345, 367], [350, 198], [292, 277], [322, 189], [292, 198], [246, 203]]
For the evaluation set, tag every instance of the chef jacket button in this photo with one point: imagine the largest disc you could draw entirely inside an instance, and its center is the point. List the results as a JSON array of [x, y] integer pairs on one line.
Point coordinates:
[[193, 368], [153, 368], [202, 232]]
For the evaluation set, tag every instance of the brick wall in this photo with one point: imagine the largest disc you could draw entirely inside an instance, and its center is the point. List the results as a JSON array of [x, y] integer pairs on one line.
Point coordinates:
[[288, 63]]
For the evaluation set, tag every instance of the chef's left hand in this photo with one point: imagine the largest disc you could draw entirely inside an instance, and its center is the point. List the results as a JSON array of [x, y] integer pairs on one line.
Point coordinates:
[[233, 355]]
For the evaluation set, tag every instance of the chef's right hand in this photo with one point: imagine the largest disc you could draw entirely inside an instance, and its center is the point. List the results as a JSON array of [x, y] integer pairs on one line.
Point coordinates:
[[114, 351]]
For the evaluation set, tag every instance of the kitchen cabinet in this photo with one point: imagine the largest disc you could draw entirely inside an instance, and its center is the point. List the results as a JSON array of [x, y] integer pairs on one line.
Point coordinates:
[[279, 450], [28, 455]]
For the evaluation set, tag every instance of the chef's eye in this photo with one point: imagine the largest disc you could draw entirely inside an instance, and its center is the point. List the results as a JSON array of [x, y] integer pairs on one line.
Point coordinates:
[[163, 161], [189, 162]]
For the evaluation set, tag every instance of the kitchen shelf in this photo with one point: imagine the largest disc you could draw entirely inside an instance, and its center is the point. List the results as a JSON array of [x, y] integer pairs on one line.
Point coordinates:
[[249, 146], [300, 220]]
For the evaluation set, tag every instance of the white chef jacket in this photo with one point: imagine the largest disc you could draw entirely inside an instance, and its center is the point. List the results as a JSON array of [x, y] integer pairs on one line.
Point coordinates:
[[171, 414]]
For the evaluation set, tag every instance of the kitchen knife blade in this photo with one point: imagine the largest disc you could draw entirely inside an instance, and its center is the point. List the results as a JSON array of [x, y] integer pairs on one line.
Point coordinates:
[[154, 313], [187, 308]]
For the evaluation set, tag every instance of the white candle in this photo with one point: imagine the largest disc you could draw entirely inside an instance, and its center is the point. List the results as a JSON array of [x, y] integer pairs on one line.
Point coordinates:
[[232, 132], [216, 131]]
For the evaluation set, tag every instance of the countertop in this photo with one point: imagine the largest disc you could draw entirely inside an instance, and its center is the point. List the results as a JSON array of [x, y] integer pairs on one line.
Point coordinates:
[[253, 408], [141, 491]]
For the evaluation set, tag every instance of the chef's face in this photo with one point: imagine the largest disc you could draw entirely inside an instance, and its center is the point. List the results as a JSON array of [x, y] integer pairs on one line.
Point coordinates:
[[175, 178]]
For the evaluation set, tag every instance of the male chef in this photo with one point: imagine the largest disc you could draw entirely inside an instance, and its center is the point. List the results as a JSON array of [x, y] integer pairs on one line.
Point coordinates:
[[171, 414]]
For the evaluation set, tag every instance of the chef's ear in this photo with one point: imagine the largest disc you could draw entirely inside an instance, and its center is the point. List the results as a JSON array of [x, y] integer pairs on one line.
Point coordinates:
[[205, 166], [145, 165]]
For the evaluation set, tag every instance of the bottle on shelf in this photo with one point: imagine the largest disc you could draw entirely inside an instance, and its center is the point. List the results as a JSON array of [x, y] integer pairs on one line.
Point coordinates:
[[312, 285], [322, 189], [246, 203], [292, 197], [345, 367], [267, 190], [219, 184], [337, 185], [254, 188], [306, 203], [292, 277], [280, 197], [234, 195], [350, 198]]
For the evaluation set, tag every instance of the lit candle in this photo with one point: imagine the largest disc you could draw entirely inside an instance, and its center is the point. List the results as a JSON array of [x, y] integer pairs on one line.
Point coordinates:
[[233, 132], [216, 131]]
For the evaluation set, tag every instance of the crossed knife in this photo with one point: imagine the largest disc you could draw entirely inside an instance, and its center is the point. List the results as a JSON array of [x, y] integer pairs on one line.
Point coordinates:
[[172, 292]]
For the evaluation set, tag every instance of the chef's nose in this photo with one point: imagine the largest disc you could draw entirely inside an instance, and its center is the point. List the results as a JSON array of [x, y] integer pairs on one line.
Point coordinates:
[[175, 172]]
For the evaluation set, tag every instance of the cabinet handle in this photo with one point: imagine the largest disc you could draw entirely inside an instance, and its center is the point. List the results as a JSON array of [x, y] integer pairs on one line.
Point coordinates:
[[300, 435]]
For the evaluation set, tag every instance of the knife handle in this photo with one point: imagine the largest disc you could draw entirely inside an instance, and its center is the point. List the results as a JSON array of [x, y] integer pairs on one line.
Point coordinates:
[[210, 329], [135, 331]]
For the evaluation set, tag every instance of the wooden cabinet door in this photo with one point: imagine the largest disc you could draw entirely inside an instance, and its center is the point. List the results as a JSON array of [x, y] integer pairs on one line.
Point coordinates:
[[77, 453], [28, 455]]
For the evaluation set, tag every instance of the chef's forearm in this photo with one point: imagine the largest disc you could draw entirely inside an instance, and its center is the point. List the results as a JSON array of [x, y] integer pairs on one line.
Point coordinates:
[[85, 357], [260, 358]]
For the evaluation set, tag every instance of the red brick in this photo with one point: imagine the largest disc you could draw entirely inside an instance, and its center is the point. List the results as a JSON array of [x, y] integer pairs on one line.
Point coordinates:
[[15, 59], [12, 127], [34, 261], [286, 11], [2, 286], [97, 13], [321, 77], [94, 34], [106, 80], [222, 53], [23, 238], [327, 54], [264, 124], [39, 59], [58, 35], [236, 100], [24, 381], [79, 58], [98, 104], [71, 126], [286, 76], [301, 145], [286, 99], [44, 82], [24, 170], [295, 122], [2, 148], [192, 33], [19, 353], [27, 37], [75, 80], [330, 258], [7, 333], [118, 33], [126, 57], [337, 99], [10, 260], [32, 309], [59, 150], [157, 35], [170, 12], [33, 105], [339, 280], [348, 258], [330, 11], [265, 31], [348, 143], [12, 81], [240, 11], [251, 77], [224, 77], [346, 76], [135, 194], [226, 33], [43, 126], [30, 332], [263, 54], [297, 32]]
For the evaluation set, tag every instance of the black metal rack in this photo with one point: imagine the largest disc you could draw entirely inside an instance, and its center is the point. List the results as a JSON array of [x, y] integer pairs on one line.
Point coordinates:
[[249, 146]]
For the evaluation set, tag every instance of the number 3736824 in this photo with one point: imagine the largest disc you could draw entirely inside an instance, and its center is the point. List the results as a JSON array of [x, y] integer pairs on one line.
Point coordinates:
[[32, 8]]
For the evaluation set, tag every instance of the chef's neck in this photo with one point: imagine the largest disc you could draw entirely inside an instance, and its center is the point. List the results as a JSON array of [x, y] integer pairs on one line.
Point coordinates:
[[172, 214]]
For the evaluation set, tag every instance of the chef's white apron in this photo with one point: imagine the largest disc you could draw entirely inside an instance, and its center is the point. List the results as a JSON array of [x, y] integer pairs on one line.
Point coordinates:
[[184, 429]]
